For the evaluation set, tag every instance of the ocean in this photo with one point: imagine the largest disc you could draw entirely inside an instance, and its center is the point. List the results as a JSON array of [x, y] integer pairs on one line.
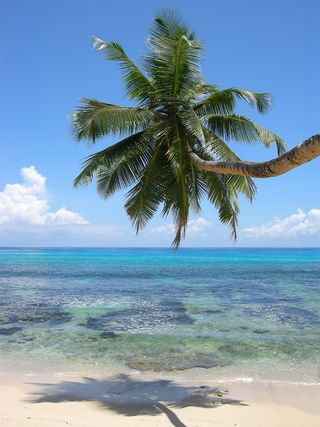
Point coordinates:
[[251, 314]]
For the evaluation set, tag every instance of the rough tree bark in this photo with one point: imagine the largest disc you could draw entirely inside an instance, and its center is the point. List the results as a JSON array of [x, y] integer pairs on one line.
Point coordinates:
[[302, 153]]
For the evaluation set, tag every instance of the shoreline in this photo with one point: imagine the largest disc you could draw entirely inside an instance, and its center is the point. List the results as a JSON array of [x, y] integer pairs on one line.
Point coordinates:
[[19, 367], [136, 399]]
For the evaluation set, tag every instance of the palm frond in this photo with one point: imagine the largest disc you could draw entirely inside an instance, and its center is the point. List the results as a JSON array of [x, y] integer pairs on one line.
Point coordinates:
[[268, 138], [172, 60], [192, 124], [260, 100], [168, 23], [217, 149], [174, 203], [224, 101], [138, 86], [218, 102], [143, 200], [197, 189], [177, 200], [240, 128], [105, 159], [232, 126], [243, 184], [126, 171], [94, 119], [224, 197]]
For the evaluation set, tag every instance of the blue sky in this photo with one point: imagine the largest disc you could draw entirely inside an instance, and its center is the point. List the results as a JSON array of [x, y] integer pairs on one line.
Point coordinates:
[[47, 65]]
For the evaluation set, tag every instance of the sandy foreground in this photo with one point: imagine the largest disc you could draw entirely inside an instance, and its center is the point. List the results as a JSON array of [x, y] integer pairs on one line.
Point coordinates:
[[138, 400]]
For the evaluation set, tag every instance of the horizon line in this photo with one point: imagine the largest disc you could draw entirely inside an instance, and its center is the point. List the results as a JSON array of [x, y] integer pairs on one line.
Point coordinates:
[[159, 247]]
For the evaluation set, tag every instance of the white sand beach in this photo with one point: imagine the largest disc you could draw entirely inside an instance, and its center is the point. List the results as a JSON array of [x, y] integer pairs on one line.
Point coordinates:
[[144, 400]]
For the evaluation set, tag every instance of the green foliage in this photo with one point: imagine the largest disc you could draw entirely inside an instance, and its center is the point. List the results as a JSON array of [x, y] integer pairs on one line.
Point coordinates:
[[175, 111]]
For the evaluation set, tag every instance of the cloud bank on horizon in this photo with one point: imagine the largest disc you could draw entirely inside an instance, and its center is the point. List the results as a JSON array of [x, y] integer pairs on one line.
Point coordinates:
[[27, 203], [26, 220], [299, 223], [195, 227]]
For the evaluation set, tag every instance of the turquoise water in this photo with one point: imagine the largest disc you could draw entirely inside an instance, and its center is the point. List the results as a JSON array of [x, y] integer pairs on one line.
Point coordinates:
[[253, 311]]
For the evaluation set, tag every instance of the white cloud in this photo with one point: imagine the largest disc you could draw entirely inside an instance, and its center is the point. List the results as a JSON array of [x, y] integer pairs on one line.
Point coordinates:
[[27, 203], [163, 229], [195, 227], [198, 225], [63, 216], [297, 224]]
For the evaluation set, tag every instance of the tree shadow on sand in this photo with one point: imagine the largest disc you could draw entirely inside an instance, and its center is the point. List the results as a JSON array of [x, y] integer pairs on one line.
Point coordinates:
[[131, 397]]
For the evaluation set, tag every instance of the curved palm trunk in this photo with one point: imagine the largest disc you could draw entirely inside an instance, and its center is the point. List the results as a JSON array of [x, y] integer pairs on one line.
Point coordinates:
[[299, 155]]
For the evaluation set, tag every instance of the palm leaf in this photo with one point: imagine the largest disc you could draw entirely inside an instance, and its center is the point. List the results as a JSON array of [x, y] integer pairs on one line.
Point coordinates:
[[137, 84], [268, 138], [224, 101], [125, 172], [218, 149], [108, 157], [173, 58], [192, 124], [243, 184], [143, 199], [239, 128], [221, 193], [94, 119]]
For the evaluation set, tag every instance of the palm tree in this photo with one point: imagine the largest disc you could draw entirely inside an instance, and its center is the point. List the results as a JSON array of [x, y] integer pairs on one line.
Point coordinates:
[[174, 148]]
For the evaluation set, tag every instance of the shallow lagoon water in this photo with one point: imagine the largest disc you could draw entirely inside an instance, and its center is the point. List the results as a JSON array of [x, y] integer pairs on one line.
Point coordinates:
[[251, 312]]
